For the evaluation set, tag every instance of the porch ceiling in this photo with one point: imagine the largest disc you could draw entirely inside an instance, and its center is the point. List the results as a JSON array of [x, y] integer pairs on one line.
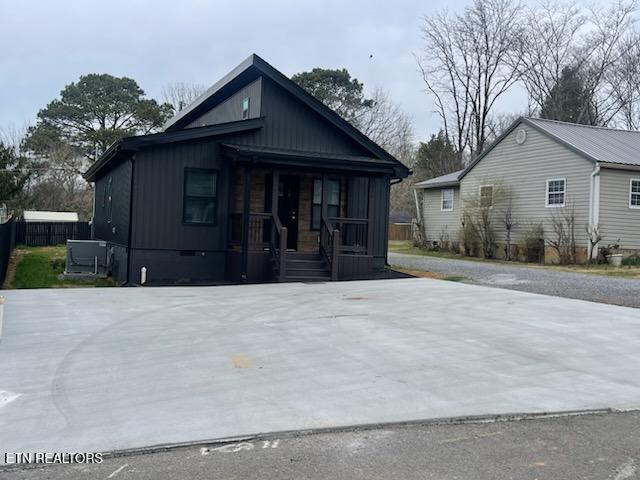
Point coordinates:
[[259, 155]]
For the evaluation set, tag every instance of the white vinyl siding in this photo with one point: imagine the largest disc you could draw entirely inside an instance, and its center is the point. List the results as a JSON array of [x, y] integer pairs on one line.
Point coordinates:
[[525, 169], [440, 224], [617, 220]]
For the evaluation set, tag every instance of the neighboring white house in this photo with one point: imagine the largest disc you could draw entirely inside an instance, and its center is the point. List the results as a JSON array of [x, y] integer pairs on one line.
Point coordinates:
[[547, 167], [46, 216]]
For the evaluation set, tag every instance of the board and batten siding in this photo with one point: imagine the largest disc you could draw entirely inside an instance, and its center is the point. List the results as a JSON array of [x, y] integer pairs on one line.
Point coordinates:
[[525, 169], [290, 124], [158, 198], [113, 227], [231, 109], [617, 219], [439, 225]]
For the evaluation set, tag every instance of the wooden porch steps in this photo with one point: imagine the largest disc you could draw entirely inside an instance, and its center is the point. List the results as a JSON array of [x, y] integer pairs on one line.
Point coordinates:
[[306, 267]]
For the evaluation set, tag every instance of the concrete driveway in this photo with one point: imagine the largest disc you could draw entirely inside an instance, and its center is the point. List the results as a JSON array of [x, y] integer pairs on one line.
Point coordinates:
[[116, 368]]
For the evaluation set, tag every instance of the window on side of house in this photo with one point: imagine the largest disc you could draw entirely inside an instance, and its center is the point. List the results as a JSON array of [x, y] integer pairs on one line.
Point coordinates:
[[486, 196], [200, 196], [446, 200], [634, 193], [556, 192], [333, 201]]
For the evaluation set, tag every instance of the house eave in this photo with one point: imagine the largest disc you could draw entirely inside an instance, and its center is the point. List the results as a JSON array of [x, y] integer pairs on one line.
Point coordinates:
[[133, 144]]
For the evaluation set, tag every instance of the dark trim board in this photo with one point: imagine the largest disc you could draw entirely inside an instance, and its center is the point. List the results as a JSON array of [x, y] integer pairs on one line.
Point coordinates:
[[133, 144]]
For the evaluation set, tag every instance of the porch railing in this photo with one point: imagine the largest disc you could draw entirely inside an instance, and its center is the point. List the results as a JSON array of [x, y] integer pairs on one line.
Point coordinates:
[[278, 246], [265, 232], [329, 246], [354, 234]]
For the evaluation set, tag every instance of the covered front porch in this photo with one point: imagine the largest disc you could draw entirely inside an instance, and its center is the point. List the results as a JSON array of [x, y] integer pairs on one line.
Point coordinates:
[[295, 217]]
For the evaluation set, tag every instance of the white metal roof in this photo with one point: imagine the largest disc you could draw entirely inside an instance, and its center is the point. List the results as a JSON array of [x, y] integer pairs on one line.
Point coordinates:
[[450, 179], [46, 216], [607, 145]]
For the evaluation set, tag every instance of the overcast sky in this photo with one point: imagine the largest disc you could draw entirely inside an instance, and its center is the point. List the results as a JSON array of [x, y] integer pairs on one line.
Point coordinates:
[[48, 44]]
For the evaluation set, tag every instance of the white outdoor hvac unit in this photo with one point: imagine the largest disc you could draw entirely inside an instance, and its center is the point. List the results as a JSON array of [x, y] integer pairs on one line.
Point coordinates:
[[87, 257]]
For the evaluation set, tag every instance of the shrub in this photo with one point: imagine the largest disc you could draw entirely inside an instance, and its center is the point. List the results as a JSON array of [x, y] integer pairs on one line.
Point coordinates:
[[533, 242], [468, 237]]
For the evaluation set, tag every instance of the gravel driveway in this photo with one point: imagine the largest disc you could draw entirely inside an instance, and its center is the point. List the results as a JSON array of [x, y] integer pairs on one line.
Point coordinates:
[[595, 288]]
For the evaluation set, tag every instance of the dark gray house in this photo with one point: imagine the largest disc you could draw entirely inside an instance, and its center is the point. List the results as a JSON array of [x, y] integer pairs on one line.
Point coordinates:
[[255, 181]]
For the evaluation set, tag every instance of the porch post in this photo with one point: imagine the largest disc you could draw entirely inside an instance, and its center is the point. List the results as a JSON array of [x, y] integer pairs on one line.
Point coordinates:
[[246, 209], [275, 191], [371, 217], [325, 196]]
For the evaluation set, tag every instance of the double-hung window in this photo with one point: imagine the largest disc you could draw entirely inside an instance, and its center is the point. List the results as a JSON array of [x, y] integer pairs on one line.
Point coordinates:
[[556, 192], [634, 193], [333, 201], [200, 196], [446, 200]]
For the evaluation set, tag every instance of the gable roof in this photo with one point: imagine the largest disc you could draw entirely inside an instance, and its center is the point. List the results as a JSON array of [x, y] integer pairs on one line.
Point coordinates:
[[254, 67], [598, 144], [448, 180], [131, 144]]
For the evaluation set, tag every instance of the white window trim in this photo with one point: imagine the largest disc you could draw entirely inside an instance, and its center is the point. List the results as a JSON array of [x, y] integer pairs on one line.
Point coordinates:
[[480, 187], [546, 194], [453, 199], [631, 180]]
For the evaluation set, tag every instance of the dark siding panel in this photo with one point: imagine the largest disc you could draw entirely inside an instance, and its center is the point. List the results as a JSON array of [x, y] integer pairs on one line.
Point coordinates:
[[158, 198], [120, 192], [168, 267], [231, 109], [358, 197], [290, 124], [379, 218], [119, 267]]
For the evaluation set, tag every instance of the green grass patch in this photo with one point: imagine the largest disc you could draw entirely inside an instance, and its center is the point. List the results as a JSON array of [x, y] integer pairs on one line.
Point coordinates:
[[40, 267], [630, 268], [407, 247], [455, 278]]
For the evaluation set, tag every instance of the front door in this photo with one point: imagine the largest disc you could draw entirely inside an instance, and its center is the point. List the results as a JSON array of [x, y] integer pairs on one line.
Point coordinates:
[[288, 196]]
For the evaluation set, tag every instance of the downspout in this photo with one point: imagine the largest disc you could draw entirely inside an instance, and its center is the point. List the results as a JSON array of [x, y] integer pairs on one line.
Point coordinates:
[[594, 205], [129, 249]]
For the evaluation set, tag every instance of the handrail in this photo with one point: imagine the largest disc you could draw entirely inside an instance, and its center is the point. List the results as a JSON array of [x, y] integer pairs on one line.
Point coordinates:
[[349, 220]]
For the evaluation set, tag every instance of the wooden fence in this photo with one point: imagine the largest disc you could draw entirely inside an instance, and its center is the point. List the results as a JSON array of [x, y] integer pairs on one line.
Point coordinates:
[[7, 236], [400, 231], [42, 234]]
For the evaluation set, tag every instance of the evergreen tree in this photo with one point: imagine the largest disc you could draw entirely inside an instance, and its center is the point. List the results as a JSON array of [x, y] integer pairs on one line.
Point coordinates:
[[436, 157], [569, 100]]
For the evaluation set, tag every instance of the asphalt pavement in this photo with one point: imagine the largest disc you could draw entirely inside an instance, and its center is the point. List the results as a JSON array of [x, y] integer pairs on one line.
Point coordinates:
[[595, 446]]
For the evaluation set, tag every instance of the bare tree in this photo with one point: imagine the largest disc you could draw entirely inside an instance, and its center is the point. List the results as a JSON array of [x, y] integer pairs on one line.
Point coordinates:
[[625, 81], [388, 125], [509, 222], [563, 241], [467, 65], [480, 214], [549, 42], [181, 94], [592, 43]]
